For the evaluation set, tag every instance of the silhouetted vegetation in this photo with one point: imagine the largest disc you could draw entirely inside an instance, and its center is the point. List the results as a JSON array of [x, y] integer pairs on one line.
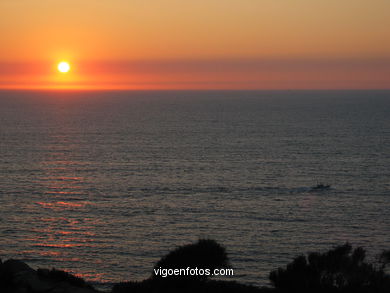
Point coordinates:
[[143, 286], [384, 259], [341, 269], [205, 286], [62, 276], [4, 279], [206, 254], [17, 277]]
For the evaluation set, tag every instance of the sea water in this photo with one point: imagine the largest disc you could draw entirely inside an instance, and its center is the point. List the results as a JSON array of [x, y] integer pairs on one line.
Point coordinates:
[[104, 184]]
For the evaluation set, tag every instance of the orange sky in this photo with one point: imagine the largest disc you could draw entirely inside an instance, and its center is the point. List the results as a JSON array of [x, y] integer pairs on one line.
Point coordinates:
[[203, 44]]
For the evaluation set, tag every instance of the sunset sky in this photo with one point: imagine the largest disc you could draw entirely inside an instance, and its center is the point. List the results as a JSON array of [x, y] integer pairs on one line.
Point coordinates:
[[203, 44]]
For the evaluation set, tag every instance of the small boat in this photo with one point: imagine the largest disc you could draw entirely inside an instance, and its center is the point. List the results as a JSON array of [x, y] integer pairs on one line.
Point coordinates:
[[320, 186]]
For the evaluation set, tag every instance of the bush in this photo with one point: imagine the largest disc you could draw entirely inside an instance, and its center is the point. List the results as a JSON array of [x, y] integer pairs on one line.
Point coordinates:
[[339, 270], [204, 254], [384, 258], [62, 276], [134, 287]]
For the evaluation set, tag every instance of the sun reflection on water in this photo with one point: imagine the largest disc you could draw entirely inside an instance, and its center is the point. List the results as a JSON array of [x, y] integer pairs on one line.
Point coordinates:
[[63, 233]]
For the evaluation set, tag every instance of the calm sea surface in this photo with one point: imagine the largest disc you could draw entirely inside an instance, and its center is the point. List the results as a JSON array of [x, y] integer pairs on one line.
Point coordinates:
[[105, 183]]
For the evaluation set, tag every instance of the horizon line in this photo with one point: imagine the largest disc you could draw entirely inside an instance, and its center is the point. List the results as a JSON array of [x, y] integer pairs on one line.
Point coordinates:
[[182, 90]]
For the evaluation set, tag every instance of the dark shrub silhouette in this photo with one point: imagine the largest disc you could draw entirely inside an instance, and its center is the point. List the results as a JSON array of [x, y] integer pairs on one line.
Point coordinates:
[[384, 258], [204, 254], [62, 276], [134, 287], [209, 286], [338, 270], [4, 279]]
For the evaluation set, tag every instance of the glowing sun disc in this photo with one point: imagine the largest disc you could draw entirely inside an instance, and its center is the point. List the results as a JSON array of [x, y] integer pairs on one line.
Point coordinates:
[[63, 67]]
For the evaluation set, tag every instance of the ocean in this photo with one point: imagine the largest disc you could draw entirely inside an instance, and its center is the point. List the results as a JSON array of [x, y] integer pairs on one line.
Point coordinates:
[[103, 184]]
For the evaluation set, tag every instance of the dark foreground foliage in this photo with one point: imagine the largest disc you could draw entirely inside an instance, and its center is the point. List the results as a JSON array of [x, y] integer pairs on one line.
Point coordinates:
[[205, 254], [341, 269], [62, 276], [17, 277], [204, 286]]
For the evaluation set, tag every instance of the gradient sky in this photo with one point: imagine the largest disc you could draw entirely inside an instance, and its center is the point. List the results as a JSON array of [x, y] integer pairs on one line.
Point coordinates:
[[203, 44]]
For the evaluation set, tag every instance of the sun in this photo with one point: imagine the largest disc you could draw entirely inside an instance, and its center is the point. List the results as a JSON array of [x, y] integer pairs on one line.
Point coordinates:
[[63, 67]]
